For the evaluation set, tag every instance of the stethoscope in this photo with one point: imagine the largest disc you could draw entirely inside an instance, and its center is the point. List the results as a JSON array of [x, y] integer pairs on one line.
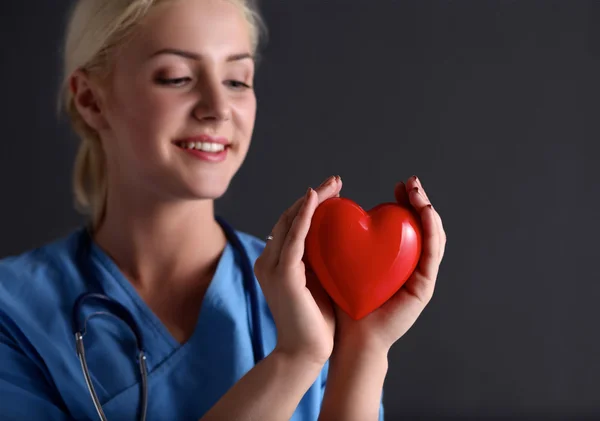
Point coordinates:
[[115, 309]]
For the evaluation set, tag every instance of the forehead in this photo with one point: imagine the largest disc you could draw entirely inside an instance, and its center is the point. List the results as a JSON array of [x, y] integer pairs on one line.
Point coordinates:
[[213, 28]]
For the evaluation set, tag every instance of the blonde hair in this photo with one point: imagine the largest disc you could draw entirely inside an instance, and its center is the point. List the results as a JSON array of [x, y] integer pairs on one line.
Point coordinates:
[[95, 29]]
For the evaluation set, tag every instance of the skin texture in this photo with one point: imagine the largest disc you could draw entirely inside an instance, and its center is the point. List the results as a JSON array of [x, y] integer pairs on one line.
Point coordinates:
[[359, 361], [159, 225]]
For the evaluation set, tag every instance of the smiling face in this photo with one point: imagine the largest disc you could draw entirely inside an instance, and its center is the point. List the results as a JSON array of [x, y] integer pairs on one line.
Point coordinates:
[[179, 107]]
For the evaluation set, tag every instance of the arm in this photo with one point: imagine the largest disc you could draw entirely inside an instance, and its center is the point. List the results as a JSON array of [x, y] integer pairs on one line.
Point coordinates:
[[354, 384], [359, 361], [271, 391], [24, 393]]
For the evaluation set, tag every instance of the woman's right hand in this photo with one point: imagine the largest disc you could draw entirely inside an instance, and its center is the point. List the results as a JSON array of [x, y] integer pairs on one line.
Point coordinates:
[[303, 314]]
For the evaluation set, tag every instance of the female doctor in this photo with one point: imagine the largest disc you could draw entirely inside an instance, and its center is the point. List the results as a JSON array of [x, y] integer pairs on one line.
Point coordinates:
[[157, 309]]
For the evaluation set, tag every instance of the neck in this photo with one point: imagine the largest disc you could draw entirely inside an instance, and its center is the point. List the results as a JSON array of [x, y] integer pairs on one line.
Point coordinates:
[[167, 246]]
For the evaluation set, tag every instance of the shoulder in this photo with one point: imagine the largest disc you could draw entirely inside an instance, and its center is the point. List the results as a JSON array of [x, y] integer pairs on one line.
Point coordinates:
[[38, 263], [37, 279]]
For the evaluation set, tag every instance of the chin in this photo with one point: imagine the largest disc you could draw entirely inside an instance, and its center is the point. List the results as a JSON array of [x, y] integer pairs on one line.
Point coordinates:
[[202, 182], [210, 189]]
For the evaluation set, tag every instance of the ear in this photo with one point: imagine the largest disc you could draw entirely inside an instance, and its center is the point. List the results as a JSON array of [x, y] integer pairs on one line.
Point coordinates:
[[87, 99]]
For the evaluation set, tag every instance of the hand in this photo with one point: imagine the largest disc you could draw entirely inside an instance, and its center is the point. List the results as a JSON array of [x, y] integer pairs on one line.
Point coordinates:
[[305, 323], [384, 326]]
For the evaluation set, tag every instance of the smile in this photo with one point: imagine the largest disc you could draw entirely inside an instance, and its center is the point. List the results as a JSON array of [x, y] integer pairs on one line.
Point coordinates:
[[202, 146]]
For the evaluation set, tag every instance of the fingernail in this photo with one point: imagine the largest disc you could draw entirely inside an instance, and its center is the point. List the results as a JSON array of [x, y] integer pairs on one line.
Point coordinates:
[[327, 182], [308, 192]]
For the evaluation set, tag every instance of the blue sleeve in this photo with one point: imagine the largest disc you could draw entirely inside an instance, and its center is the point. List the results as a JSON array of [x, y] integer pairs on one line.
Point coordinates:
[[324, 374], [24, 391]]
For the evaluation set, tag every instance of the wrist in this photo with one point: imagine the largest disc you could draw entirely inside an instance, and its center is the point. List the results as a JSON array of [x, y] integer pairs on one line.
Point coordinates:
[[299, 361], [357, 372], [351, 357], [360, 343]]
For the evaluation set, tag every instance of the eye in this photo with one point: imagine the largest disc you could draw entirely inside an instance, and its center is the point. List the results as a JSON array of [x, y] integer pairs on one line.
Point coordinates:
[[238, 85], [175, 82]]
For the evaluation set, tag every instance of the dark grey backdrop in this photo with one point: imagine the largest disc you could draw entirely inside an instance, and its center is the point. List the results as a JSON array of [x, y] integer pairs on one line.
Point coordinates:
[[493, 104]]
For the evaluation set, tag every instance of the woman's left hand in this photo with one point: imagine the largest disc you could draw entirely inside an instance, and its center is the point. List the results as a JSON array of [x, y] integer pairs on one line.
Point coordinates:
[[383, 327]]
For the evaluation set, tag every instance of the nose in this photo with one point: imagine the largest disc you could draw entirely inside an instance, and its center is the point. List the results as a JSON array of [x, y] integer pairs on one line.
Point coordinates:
[[213, 103]]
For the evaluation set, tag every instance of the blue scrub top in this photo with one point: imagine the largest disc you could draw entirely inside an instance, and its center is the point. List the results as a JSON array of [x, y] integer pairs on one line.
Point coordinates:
[[40, 374]]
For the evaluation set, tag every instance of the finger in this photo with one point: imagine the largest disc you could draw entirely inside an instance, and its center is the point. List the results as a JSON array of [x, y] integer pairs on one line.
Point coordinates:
[[330, 188], [429, 261], [401, 194], [273, 247], [340, 184], [442, 234], [438, 219], [431, 230], [422, 282], [413, 182], [293, 247], [417, 198]]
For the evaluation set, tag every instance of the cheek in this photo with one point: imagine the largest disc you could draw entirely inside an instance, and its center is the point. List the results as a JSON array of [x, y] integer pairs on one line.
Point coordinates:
[[246, 113], [143, 116]]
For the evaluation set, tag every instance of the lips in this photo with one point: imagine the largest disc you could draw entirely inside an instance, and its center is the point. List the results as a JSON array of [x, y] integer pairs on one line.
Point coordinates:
[[203, 139], [204, 147]]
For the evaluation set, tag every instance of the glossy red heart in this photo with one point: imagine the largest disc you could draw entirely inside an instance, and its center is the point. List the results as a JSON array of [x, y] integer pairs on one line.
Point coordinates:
[[363, 258]]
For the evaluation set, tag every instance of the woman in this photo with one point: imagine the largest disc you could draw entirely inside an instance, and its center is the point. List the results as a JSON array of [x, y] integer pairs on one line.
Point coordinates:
[[160, 93]]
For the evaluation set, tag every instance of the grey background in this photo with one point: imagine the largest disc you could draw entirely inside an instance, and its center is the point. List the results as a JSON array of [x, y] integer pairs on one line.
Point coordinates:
[[493, 104]]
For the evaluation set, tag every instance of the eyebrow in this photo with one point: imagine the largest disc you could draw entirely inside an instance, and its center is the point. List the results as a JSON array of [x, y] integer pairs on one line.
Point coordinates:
[[198, 57]]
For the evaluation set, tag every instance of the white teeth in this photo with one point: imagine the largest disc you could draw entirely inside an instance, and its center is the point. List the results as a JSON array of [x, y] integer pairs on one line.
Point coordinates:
[[209, 147], [204, 146]]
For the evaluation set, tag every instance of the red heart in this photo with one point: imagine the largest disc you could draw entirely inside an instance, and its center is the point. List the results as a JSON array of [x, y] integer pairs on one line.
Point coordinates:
[[362, 258]]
